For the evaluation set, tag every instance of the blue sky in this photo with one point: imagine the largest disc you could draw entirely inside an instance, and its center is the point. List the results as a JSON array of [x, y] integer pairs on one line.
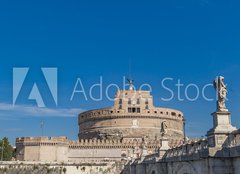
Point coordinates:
[[190, 40]]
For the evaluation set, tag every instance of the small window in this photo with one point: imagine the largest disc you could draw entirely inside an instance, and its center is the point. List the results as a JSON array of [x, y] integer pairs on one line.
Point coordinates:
[[138, 101], [129, 110], [120, 106], [129, 101], [146, 101], [133, 110], [120, 101], [146, 107], [138, 110]]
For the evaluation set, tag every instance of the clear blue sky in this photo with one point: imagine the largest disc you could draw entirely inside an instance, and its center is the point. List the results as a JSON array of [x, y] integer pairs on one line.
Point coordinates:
[[191, 40]]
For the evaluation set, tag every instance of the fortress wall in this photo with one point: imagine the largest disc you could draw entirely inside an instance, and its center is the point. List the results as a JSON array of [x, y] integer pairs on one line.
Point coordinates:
[[62, 153], [141, 122], [77, 155], [48, 153], [31, 153], [57, 153], [48, 149], [135, 126], [15, 167]]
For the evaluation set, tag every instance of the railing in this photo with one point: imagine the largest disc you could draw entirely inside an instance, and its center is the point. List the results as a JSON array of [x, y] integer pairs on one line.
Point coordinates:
[[233, 140], [192, 150]]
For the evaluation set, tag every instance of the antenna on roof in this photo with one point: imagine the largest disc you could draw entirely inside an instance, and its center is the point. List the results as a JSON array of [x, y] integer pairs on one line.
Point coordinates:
[[129, 79], [130, 69], [42, 126]]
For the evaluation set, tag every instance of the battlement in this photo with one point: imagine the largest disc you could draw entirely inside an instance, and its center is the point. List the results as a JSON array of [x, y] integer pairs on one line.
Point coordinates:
[[43, 140], [114, 113]]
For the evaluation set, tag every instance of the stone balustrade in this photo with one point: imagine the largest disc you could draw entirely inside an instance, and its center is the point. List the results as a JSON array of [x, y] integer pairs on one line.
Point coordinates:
[[191, 150]]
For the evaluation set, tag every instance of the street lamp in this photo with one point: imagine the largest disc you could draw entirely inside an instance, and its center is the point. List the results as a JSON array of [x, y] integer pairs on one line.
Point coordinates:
[[184, 130], [2, 149]]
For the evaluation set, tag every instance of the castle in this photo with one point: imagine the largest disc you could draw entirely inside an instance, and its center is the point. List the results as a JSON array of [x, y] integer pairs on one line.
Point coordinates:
[[144, 138], [111, 133]]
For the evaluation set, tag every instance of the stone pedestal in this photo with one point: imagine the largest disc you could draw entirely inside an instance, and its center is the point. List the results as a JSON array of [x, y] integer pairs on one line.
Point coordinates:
[[164, 147], [222, 127]]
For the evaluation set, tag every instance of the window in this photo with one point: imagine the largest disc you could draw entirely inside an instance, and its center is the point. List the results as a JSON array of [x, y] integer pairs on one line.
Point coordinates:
[[120, 107], [134, 110], [138, 110], [138, 101], [146, 107], [120, 101], [129, 101], [146, 101]]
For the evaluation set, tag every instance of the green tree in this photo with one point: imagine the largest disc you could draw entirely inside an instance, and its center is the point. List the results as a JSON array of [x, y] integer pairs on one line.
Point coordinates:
[[8, 151]]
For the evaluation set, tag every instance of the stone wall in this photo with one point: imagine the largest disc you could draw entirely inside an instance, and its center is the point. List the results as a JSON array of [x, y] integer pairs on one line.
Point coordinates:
[[201, 166], [59, 168]]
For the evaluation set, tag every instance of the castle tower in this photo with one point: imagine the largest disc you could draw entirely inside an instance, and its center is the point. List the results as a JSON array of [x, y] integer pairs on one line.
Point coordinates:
[[133, 116]]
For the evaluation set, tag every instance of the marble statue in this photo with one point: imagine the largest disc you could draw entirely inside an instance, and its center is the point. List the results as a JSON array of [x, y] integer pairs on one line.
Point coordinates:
[[221, 90], [163, 128]]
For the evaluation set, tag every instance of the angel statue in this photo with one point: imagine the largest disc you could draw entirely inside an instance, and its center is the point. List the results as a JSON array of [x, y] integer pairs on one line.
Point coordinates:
[[163, 130], [221, 90], [130, 81]]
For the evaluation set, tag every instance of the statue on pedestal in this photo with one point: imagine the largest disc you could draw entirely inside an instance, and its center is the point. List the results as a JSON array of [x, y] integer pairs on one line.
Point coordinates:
[[221, 90], [163, 130]]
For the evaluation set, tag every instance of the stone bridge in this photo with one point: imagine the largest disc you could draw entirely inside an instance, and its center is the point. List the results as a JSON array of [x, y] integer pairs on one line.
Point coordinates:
[[219, 153]]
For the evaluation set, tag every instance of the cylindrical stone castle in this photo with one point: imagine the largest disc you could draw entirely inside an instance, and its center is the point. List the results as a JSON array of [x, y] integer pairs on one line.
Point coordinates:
[[133, 115]]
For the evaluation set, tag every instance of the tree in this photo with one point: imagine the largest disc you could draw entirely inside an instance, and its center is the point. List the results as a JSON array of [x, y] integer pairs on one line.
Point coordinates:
[[8, 150]]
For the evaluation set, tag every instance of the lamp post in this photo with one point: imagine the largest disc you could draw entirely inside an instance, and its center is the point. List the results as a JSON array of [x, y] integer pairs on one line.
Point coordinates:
[[184, 130], [42, 127], [2, 149]]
